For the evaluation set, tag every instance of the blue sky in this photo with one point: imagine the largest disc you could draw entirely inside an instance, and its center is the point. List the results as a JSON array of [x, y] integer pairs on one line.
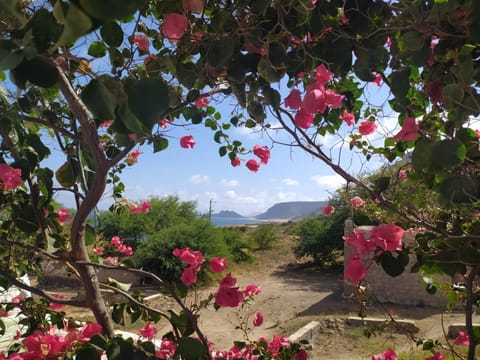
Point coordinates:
[[200, 174]]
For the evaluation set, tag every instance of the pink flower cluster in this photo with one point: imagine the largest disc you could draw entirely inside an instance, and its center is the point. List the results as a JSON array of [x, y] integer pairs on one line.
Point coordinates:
[[229, 295], [262, 152], [386, 355], [187, 142], [63, 215], [192, 258], [53, 346], [385, 237], [251, 353], [10, 177], [317, 99], [132, 158], [143, 208], [121, 247]]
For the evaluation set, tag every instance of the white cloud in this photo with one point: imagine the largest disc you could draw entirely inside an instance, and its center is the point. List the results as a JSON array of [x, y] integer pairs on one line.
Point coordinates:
[[286, 196], [288, 181], [226, 182], [231, 194], [329, 181], [198, 179]]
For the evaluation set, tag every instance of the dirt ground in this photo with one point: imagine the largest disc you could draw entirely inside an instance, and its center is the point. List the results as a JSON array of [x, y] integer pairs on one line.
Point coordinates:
[[292, 296]]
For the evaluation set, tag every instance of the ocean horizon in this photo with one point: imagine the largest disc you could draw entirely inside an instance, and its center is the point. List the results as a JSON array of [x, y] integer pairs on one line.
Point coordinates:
[[228, 221]]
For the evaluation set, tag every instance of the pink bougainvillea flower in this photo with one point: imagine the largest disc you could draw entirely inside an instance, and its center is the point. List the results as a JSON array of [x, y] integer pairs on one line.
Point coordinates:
[[355, 269], [389, 355], [227, 296], [378, 78], [388, 42], [314, 101], [116, 241], [142, 42], [293, 100], [201, 102], [328, 210], [333, 100], [167, 349], [358, 241], [187, 142], [388, 237], [148, 331], [433, 88], [190, 257], [436, 356], [462, 339], [322, 74], [303, 119], [63, 215], [132, 158], [348, 117], [252, 165], [109, 260], [143, 208], [228, 280], [301, 355], [367, 127], [43, 346], [356, 202], [98, 251], [257, 319], [409, 130], [218, 264], [188, 276], [174, 26], [17, 299], [56, 306], [263, 152], [251, 290], [402, 175], [236, 162], [105, 124], [10, 177]]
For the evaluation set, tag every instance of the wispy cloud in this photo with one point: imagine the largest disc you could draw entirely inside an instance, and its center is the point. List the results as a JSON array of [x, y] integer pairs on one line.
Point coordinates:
[[328, 181], [198, 179], [290, 182], [226, 182]]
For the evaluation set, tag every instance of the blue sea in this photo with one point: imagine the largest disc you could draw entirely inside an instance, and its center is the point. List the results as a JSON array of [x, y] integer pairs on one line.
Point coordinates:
[[228, 221]]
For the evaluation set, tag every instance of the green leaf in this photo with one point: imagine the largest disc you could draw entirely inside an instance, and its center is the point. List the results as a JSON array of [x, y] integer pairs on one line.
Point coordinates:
[[271, 97], [255, 110], [99, 99], [97, 49], [88, 353], [112, 34], [421, 155], [412, 41], [65, 175], [38, 70], [159, 143], [148, 99], [187, 74], [77, 23], [220, 52], [400, 83], [222, 151], [394, 266], [10, 57], [111, 9], [89, 235], [453, 94], [268, 72], [44, 29], [447, 154], [191, 349], [458, 189], [119, 285]]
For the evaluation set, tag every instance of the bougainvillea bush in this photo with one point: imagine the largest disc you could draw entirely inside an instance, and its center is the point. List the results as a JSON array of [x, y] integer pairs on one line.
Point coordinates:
[[98, 79]]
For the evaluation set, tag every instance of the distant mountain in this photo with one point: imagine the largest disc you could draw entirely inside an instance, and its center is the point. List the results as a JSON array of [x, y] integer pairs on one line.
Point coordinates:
[[227, 214], [292, 210]]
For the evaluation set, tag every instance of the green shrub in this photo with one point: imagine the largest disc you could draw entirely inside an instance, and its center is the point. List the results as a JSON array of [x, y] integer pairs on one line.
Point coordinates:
[[264, 236], [155, 254]]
